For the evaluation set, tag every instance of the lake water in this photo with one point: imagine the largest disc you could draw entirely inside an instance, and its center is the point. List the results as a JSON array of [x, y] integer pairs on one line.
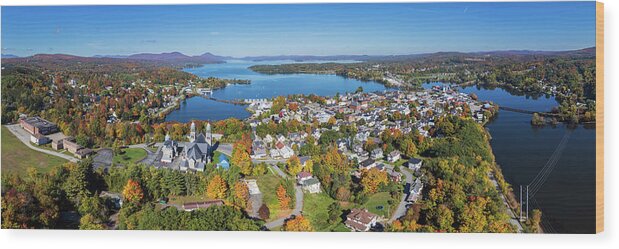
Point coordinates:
[[262, 86], [268, 86], [567, 198]]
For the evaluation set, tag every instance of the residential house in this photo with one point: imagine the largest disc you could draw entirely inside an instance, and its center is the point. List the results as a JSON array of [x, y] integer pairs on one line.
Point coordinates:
[[360, 220], [377, 154], [415, 191], [367, 164], [303, 176], [414, 164], [284, 150], [311, 185], [393, 156]]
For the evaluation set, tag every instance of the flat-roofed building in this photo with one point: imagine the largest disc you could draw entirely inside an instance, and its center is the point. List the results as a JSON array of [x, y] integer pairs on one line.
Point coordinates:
[[57, 144], [39, 139], [37, 125], [71, 145]]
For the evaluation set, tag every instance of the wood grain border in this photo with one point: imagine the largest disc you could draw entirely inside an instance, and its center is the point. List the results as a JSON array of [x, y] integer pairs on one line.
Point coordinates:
[[599, 116]]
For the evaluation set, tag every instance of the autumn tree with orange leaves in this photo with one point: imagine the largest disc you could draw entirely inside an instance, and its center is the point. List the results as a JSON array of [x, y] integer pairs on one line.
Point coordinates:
[[282, 197], [298, 224], [133, 191]]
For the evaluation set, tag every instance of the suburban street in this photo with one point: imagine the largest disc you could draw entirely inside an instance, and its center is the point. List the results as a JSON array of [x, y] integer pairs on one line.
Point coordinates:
[[24, 137], [401, 209], [298, 208]]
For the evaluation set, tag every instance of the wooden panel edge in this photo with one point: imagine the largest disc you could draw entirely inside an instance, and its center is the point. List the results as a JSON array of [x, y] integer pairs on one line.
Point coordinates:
[[599, 129]]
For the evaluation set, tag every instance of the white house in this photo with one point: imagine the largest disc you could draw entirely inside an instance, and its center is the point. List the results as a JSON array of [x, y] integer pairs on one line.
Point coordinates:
[[393, 156], [311, 185], [377, 154], [284, 150], [414, 164]]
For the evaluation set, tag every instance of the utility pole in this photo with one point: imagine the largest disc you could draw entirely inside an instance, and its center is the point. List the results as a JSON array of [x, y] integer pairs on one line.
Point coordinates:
[[527, 202], [520, 202]]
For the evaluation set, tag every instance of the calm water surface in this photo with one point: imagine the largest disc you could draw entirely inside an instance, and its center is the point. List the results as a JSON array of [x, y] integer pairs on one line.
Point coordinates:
[[567, 198]]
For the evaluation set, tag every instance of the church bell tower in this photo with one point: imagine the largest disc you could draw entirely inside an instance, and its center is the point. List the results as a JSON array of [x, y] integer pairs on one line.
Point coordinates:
[[192, 134]]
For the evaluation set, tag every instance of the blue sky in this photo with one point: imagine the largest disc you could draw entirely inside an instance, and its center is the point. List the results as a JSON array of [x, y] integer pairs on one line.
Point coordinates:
[[307, 29]]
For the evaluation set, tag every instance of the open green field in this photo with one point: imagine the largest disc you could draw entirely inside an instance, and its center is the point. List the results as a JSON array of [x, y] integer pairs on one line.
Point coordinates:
[[130, 155], [376, 200], [17, 157], [316, 209], [268, 184]]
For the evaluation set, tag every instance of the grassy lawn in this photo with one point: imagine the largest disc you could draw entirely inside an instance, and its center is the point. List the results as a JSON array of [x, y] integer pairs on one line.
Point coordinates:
[[400, 162], [17, 157], [379, 199], [316, 209], [268, 184], [130, 155]]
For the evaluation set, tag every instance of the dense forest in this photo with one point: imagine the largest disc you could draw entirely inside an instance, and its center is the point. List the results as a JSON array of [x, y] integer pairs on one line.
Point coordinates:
[[44, 200]]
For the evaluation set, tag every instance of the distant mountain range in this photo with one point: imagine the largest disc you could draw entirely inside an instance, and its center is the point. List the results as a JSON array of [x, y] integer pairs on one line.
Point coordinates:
[[8, 56], [172, 57], [180, 59]]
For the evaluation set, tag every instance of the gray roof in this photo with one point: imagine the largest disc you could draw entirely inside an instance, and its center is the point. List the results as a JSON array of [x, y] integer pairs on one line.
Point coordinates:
[[194, 152], [311, 181], [367, 162], [200, 138]]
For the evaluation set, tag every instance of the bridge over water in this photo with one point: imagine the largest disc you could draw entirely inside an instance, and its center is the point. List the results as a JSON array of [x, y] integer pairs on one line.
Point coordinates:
[[546, 114]]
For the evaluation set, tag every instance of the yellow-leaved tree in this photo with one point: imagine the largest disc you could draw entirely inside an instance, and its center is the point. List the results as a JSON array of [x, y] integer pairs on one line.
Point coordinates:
[[217, 188], [372, 178], [241, 194], [293, 165], [298, 224]]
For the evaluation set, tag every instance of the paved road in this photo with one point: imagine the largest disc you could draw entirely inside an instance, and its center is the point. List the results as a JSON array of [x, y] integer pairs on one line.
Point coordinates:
[[401, 209], [225, 149], [269, 161], [24, 137], [296, 211], [279, 171], [513, 219], [298, 208]]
